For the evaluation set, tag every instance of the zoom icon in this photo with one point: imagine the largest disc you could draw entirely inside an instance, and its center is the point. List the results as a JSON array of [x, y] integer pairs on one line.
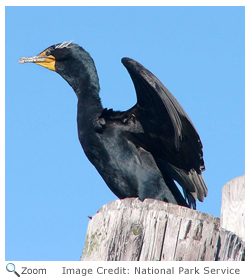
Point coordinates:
[[11, 268]]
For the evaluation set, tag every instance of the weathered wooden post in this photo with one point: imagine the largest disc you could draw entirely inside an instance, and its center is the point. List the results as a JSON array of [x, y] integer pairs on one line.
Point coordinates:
[[131, 230], [233, 206]]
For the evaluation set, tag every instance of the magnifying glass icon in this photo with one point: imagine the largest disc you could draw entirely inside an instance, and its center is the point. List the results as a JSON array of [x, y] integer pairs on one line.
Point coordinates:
[[11, 268]]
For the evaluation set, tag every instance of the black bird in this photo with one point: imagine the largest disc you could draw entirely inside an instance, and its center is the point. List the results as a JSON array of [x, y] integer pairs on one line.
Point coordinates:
[[138, 152]]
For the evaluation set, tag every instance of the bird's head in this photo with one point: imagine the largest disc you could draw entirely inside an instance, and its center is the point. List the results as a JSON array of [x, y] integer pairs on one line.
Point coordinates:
[[52, 57], [69, 60]]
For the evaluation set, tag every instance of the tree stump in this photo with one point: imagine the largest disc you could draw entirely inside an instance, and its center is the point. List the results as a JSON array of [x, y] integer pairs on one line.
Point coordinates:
[[152, 230]]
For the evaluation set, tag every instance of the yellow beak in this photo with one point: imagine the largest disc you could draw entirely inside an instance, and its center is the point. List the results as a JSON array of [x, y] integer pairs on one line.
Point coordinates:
[[41, 59]]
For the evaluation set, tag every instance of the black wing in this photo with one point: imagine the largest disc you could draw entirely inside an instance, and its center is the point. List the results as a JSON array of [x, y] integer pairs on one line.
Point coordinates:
[[168, 131]]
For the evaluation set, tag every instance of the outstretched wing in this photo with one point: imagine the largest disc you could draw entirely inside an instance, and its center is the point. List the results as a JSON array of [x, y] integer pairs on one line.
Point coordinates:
[[168, 131]]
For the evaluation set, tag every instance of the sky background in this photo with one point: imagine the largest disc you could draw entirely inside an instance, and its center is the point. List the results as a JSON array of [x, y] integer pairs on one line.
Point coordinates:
[[51, 188]]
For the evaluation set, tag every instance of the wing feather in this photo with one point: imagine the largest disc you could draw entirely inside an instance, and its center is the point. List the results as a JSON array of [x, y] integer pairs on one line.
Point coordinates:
[[169, 133]]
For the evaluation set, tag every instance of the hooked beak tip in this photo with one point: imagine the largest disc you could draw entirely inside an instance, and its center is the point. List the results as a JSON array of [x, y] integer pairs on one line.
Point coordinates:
[[21, 60]]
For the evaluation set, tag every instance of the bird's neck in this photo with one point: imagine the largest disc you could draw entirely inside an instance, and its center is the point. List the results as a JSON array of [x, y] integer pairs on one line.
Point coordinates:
[[89, 102], [89, 107], [88, 95], [82, 76], [85, 83], [86, 86]]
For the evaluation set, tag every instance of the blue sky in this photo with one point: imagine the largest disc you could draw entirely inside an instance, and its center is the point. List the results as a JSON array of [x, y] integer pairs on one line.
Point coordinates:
[[51, 188]]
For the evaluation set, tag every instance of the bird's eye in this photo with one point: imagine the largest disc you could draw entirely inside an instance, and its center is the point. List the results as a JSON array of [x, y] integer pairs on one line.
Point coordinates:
[[48, 53]]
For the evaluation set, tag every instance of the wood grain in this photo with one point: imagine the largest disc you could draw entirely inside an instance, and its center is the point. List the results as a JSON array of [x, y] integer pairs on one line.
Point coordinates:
[[131, 230], [233, 206]]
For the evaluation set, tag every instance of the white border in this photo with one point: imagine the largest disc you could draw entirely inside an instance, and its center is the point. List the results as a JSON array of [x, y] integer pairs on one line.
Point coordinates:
[[55, 268]]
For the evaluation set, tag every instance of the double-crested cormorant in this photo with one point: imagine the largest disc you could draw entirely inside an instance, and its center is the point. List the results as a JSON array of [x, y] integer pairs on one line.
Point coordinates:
[[138, 152]]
